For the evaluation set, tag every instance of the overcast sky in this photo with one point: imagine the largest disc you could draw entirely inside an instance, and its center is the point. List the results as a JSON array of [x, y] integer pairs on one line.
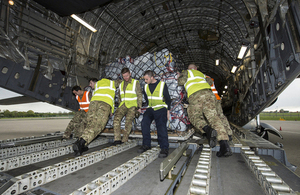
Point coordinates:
[[287, 100]]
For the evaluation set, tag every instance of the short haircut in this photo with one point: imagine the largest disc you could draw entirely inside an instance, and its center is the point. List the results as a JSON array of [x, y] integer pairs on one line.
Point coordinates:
[[125, 70], [76, 88], [93, 79], [149, 73]]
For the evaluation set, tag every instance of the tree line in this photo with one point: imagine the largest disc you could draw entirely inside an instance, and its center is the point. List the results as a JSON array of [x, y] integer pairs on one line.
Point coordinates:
[[30, 113]]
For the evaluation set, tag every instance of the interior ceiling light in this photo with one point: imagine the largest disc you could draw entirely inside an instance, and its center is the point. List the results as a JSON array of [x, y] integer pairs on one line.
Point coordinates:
[[11, 2], [242, 52], [84, 23], [225, 87], [233, 69], [217, 62], [224, 91]]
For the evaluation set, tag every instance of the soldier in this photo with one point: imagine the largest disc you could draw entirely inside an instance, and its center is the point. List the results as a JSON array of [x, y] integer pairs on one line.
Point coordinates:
[[201, 106], [101, 106], [77, 124], [219, 107], [130, 101], [92, 82], [158, 99]]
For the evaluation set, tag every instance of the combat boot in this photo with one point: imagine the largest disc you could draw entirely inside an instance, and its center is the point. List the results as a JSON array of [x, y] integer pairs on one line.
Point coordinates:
[[211, 135], [118, 142], [144, 148], [79, 147], [225, 149], [163, 153]]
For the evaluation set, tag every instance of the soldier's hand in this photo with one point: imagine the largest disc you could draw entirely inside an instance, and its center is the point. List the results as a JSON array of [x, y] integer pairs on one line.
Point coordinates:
[[139, 110]]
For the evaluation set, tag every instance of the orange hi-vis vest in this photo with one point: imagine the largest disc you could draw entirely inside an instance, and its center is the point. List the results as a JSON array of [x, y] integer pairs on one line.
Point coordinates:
[[214, 90], [84, 102]]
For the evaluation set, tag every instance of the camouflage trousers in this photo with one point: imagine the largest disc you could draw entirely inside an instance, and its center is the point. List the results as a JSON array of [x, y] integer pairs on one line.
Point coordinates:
[[119, 114], [202, 107], [76, 125], [97, 117], [223, 117]]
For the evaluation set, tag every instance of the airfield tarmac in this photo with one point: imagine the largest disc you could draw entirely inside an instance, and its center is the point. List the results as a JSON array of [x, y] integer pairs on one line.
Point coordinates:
[[15, 128]]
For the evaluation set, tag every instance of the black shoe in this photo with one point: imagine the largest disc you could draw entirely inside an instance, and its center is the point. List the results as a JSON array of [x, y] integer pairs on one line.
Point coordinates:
[[144, 148], [163, 153], [79, 147], [211, 136], [118, 142], [225, 149]]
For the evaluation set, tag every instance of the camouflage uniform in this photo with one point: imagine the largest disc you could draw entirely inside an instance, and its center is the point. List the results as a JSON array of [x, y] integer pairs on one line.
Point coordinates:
[[129, 112], [97, 117], [223, 117], [77, 124], [202, 107], [220, 110]]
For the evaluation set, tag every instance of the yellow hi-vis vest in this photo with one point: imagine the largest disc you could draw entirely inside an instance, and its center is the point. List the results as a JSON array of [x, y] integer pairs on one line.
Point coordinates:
[[155, 99], [129, 97], [105, 91], [195, 82]]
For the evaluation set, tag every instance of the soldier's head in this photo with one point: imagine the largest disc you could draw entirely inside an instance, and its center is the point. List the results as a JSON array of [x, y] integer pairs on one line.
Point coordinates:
[[126, 74], [149, 77], [92, 82], [192, 66], [76, 90]]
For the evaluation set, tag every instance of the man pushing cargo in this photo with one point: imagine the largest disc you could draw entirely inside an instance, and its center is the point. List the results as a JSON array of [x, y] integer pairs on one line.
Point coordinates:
[[78, 122], [131, 98], [202, 106], [101, 106]]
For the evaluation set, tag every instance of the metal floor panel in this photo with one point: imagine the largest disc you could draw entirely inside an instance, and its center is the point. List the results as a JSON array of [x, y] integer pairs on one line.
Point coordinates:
[[73, 181], [147, 181], [231, 175]]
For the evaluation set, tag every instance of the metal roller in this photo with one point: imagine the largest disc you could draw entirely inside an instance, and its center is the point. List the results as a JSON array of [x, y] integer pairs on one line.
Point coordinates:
[[201, 171], [281, 187], [92, 186], [202, 166], [200, 176], [268, 173], [197, 190], [274, 179], [204, 162], [199, 182], [103, 179]]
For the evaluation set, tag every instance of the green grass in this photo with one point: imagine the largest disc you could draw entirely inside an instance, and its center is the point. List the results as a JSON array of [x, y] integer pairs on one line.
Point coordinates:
[[292, 116]]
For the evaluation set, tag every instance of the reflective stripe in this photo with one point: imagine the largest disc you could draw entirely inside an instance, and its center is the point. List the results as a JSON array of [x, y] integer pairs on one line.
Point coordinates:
[[161, 89], [193, 84], [84, 102], [97, 94], [160, 106], [111, 87], [128, 91], [129, 99], [156, 98]]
